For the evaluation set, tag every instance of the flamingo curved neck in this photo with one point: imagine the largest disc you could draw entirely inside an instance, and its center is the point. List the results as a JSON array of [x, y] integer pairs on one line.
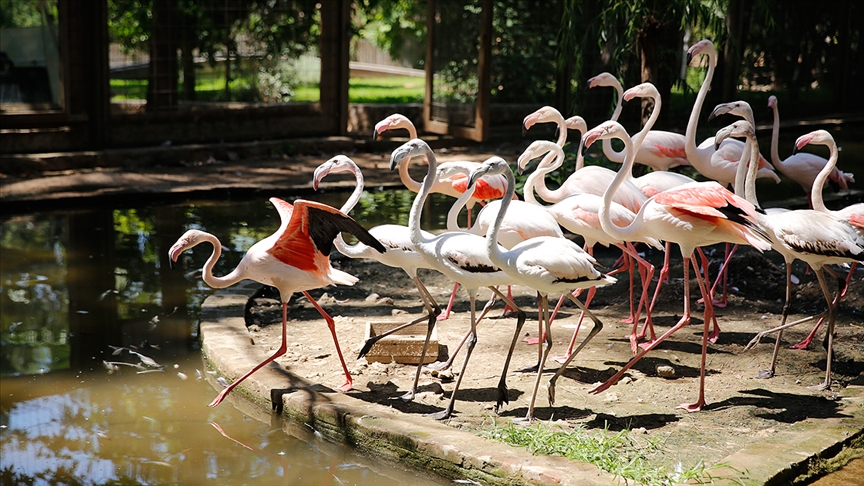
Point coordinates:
[[340, 244], [750, 153], [493, 249], [608, 151], [692, 124], [562, 129], [819, 183], [545, 166], [207, 275], [420, 199], [404, 176], [625, 172], [539, 182], [775, 136], [742, 173], [649, 123], [453, 213]]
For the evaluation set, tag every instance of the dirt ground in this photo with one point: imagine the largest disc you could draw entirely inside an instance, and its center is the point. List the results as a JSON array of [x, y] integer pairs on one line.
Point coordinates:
[[740, 407]]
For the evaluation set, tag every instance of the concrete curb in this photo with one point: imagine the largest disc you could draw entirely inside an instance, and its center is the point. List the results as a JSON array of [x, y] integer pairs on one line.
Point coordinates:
[[456, 454]]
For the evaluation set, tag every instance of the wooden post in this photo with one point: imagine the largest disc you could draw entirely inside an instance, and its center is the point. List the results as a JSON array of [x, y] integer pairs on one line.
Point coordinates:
[[335, 31]]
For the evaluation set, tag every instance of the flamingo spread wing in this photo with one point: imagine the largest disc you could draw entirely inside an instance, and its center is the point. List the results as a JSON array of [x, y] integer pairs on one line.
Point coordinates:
[[309, 233]]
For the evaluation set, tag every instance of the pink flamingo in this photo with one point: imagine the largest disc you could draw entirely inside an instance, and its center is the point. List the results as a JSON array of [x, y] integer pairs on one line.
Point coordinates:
[[660, 150], [691, 215], [292, 259], [802, 167], [591, 179], [717, 164]]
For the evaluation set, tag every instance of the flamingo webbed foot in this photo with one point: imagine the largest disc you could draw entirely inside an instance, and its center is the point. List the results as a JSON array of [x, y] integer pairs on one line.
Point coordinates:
[[692, 407], [216, 401], [531, 341], [441, 415], [765, 374], [503, 395], [825, 385], [529, 369], [439, 365], [526, 420], [347, 386], [805, 344], [561, 359], [408, 396]]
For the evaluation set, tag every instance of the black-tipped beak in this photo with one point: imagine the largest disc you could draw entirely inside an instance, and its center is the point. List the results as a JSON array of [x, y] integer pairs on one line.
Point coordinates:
[[375, 135], [583, 149], [170, 263], [524, 130], [689, 58], [794, 150]]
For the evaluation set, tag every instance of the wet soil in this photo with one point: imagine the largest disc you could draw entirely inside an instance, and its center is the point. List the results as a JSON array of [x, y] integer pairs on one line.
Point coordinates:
[[741, 408]]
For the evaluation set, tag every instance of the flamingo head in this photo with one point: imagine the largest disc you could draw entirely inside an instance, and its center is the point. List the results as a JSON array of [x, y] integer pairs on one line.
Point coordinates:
[[607, 129], [492, 166], [411, 148], [576, 122], [772, 101], [537, 149], [603, 79], [739, 108], [704, 46], [448, 170], [741, 128], [546, 114], [818, 137], [339, 163], [189, 239], [644, 90], [392, 122]]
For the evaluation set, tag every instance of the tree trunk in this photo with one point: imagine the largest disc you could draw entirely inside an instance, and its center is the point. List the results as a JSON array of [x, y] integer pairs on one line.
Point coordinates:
[[737, 21], [162, 82]]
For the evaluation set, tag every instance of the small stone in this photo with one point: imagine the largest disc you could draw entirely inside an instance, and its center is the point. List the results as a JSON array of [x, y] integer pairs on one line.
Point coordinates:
[[640, 430], [626, 380], [373, 297], [446, 376], [253, 328], [385, 301], [665, 371], [610, 397], [397, 312]]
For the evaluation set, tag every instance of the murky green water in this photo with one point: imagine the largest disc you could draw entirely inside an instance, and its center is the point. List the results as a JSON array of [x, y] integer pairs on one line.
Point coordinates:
[[78, 285]]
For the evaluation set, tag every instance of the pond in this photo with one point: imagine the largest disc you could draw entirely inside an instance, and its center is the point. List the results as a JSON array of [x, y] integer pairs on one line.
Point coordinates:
[[88, 301]]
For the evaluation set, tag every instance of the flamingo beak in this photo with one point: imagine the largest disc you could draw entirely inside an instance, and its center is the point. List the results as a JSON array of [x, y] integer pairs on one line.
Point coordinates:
[[529, 122], [801, 142], [588, 139], [593, 81], [721, 109]]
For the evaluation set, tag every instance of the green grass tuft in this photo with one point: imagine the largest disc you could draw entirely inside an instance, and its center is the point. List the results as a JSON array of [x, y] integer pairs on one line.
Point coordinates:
[[617, 453]]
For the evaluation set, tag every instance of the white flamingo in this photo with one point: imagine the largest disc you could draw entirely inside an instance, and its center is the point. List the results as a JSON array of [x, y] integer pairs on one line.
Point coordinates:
[[815, 237], [396, 238], [716, 164], [547, 264], [460, 256]]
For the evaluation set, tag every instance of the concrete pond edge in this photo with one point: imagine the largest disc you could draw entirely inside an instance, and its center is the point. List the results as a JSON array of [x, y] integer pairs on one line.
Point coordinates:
[[456, 454]]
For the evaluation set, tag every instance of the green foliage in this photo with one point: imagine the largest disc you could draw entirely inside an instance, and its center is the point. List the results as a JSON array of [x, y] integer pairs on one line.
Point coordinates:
[[620, 453], [397, 27], [390, 89], [17, 13]]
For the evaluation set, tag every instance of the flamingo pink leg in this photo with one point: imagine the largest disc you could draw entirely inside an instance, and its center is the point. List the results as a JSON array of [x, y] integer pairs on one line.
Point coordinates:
[[446, 314], [715, 333], [279, 352], [806, 342], [349, 383]]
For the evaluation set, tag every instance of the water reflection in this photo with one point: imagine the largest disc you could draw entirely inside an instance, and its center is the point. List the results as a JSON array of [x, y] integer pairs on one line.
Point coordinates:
[[75, 286]]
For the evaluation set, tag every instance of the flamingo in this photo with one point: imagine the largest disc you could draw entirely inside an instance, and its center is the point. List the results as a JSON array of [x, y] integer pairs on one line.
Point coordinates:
[[487, 189], [292, 259], [853, 214], [579, 214], [591, 179], [717, 164], [548, 264], [660, 150], [802, 167], [461, 257], [691, 215], [816, 237], [396, 238]]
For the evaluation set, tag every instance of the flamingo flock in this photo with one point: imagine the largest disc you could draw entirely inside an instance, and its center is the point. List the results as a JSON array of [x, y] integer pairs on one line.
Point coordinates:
[[524, 242]]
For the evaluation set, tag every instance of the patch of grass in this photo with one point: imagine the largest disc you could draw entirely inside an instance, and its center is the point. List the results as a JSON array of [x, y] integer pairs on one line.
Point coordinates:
[[619, 453], [389, 89]]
